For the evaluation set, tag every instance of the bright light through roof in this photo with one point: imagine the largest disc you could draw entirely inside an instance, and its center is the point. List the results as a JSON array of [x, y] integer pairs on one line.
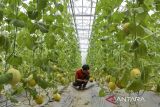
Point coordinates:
[[83, 15]]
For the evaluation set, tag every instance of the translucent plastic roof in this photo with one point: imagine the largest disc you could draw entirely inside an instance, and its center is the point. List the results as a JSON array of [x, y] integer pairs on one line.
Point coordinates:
[[83, 12]]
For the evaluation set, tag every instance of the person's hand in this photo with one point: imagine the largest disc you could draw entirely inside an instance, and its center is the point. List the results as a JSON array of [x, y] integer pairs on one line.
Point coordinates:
[[85, 80], [80, 80]]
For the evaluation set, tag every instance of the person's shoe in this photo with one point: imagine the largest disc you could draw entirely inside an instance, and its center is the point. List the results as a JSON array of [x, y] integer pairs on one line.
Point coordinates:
[[82, 88], [79, 87], [73, 84]]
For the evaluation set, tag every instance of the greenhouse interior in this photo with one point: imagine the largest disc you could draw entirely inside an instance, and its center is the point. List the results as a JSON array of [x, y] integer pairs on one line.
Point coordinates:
[[79, 53]]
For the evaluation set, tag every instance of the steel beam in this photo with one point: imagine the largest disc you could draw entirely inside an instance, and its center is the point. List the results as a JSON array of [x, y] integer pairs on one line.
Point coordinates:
[[83, 29], [94, 18], [83, 37], [83, 49], [86, 15], [83, 42], [85, 19], [90, 17], [73, 14], [81, 7]]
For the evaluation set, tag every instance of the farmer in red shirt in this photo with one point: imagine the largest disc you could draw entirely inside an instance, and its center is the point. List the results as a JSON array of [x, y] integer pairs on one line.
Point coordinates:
[[82, 77]]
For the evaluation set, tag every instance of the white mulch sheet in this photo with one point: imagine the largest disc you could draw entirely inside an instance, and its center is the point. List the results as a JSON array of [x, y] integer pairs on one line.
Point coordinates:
[[72, 97]]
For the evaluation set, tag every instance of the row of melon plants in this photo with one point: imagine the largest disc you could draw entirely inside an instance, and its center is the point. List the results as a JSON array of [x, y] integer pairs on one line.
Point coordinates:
[[124, 46], [38, 49]]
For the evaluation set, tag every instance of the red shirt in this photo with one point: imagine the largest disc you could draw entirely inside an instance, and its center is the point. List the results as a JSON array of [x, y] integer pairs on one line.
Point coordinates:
[[81, 75]]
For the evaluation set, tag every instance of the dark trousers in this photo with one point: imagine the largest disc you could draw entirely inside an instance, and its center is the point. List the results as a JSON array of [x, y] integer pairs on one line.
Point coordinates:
[[80, 84]]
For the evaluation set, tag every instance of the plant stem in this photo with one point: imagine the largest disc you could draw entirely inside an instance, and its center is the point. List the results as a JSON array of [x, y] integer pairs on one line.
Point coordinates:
[[47, 94], [120, 57], [28, 97]]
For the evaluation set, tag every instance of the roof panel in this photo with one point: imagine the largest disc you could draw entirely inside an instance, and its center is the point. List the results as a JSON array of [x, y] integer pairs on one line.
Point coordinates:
[[83, 15]]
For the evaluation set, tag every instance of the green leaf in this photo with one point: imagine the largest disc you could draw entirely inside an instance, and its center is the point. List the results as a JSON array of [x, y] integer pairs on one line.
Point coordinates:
[[4, 43], [49, 19], [1, 87], [1, 15], [8, 20], [42, 83], [41, 61], [59, 7], [139, 47], [22, 16], [18, 23], [15, 60], [132, 29], [42, 4], [2, 40], [42, 27], [117, 17], [32, 92], [102, 93], [142, 18], [139, 30], [25, 40], [32, 27], [127, 46], [60, 32], [24, 5], [2, 6], [5, 78], [32, 14], [135, 85], [121, 36], [59, 18], [135, 44], [30, 42], [12, 2], [21, 38], [158, 6], [139, 10], [147, 31], [150, 2], [9, 13], [50, 41], [142, 49], [140, 1]]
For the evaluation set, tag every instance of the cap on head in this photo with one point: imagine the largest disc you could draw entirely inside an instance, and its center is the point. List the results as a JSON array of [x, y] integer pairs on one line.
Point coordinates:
[[85, 67]]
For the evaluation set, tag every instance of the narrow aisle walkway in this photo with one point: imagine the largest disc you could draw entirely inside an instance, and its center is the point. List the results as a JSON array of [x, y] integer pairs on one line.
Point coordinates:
[[83, 98]]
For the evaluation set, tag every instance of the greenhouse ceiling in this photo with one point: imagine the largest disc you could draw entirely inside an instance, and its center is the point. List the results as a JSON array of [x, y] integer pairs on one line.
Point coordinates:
[[83, 12]]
